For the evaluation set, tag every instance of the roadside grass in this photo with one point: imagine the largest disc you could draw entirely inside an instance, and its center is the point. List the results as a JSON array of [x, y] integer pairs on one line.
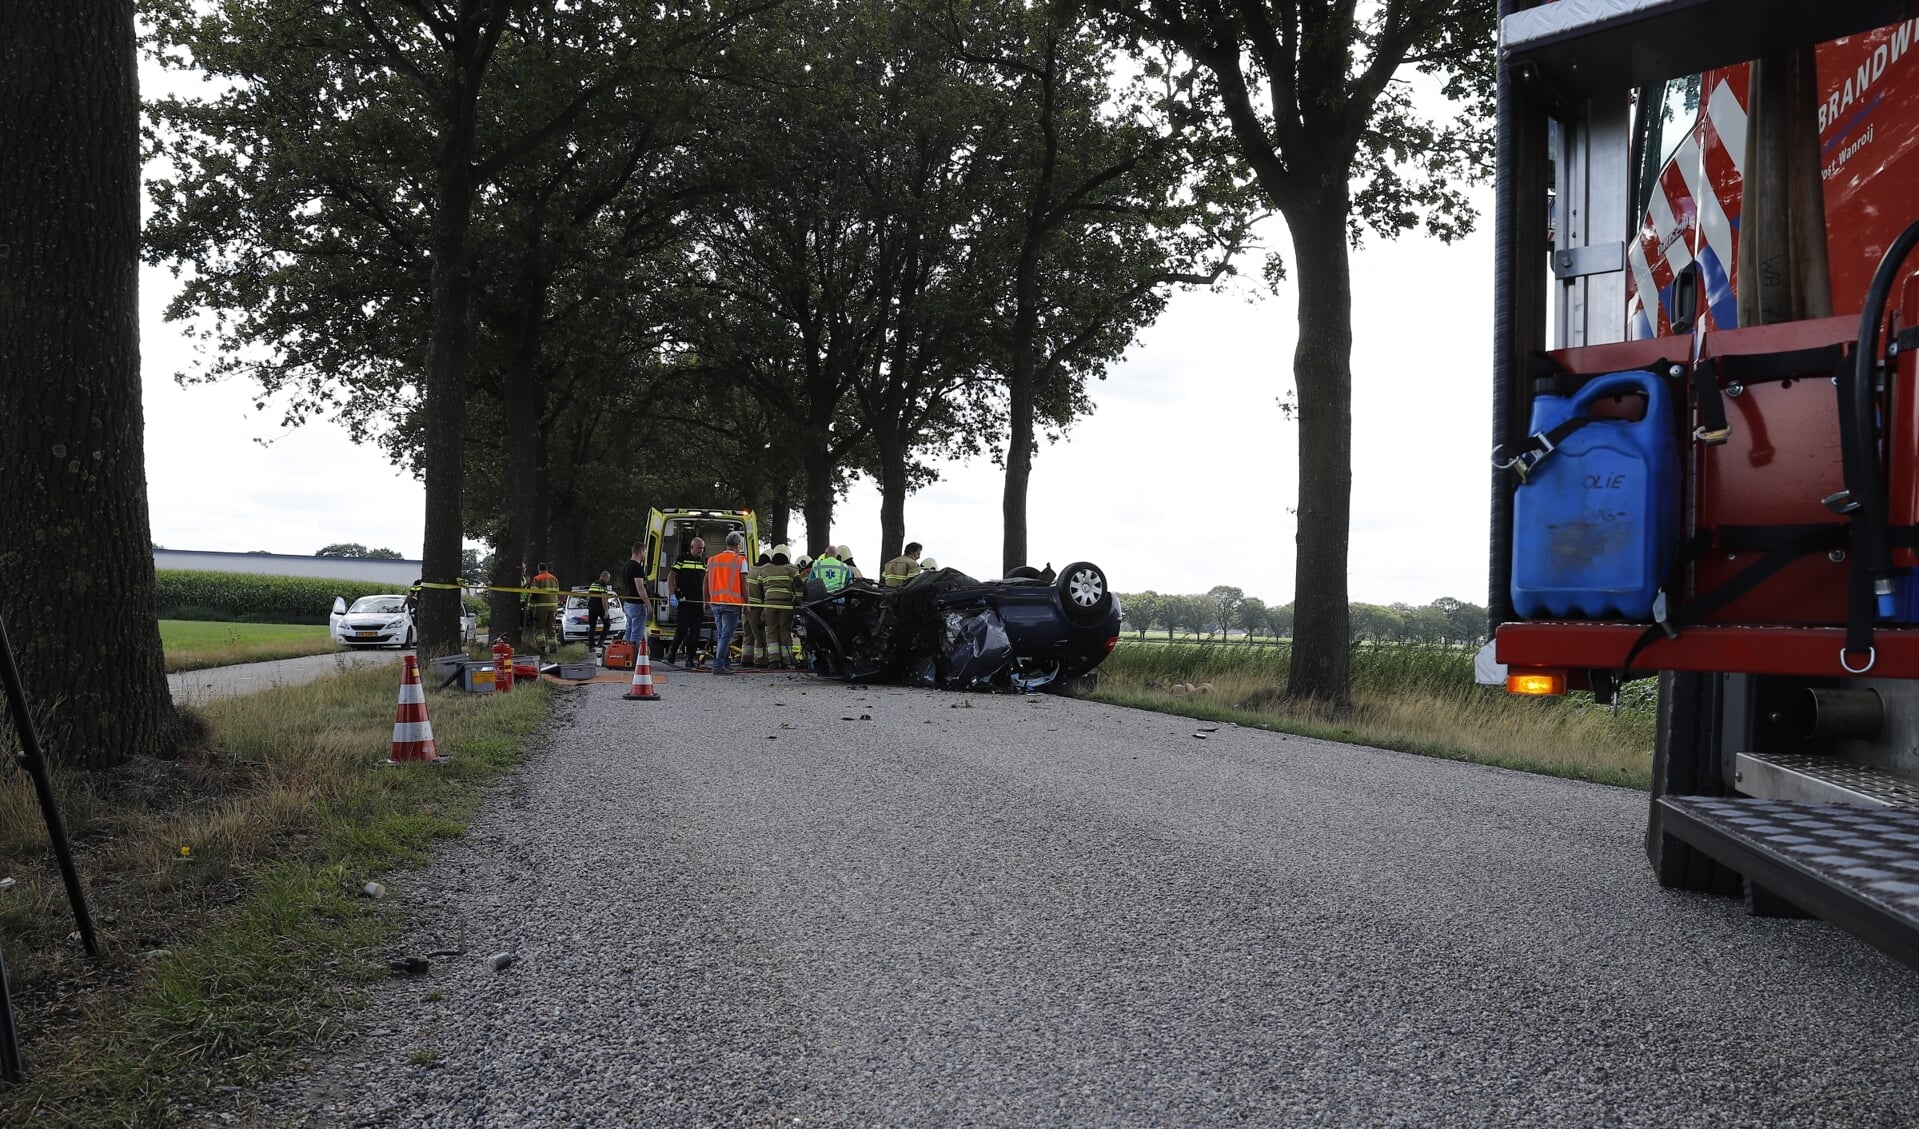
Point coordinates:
[[196, 644], [1415, 699], [226, 889]]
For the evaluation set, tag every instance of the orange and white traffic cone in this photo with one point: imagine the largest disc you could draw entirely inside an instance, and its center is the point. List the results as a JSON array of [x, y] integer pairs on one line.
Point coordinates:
[[412, 732], [642, 688]]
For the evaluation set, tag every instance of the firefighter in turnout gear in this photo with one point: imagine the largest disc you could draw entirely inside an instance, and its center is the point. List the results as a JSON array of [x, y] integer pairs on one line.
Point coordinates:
[[780, 588], [753, 647], [544, 605], [902, 568]]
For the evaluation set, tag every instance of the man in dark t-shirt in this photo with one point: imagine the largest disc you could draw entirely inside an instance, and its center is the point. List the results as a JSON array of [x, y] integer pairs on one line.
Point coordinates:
[[633, 595]]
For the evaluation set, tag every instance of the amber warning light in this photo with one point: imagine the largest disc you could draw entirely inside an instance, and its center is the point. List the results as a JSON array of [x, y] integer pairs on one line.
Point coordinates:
[[1535, 681]]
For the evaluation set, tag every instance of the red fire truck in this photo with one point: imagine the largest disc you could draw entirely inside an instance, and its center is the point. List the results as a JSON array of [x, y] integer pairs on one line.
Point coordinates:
[[1706, 423]]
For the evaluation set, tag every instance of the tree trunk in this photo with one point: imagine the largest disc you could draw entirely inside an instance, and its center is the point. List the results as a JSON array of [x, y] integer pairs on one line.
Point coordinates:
[[779, 521], [540, 541], [1019, 387], [1019, 411], [75, 543], [1322, 368], [523, 399], [503, 608], [892, 459], [445, 399], [818, 508]]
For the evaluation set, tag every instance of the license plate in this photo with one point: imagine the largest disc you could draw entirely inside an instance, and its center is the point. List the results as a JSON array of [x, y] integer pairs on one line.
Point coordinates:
[[367, 634]]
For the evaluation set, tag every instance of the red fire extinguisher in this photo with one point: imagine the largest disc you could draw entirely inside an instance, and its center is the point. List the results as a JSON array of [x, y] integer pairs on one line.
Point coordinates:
[[502, 666]]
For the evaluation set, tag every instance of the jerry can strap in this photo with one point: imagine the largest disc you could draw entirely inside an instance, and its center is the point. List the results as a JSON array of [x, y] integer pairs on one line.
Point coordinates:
[[1536, 447], [1781, 544], [1552, 378]]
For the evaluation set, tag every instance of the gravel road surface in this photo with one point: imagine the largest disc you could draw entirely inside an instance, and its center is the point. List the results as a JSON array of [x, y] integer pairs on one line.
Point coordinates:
[[738, 907]]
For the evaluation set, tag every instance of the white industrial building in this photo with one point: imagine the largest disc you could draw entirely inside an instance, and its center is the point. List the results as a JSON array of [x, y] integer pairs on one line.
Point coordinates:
[[371, 570]]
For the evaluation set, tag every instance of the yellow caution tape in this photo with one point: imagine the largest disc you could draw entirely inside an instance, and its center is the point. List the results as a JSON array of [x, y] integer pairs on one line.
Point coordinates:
[[556, 593]]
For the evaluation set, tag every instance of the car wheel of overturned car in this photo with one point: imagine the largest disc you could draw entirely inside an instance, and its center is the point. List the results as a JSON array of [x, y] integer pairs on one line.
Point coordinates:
[[1083, 592], [1023, 572]]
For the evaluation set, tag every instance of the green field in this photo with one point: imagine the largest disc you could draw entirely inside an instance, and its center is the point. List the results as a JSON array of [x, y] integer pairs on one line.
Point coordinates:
[[1411, 697], [195, 644]]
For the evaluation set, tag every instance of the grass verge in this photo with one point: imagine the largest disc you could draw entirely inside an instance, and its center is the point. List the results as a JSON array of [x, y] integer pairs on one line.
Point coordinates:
[[1411, 698], [226, 889], [195, 644]]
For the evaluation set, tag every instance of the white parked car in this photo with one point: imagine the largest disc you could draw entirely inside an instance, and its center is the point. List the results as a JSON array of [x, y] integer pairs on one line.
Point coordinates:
[[383, 621], [572, 627]]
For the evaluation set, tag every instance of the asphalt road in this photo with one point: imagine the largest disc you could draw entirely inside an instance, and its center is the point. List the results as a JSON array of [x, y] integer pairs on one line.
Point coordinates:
[[738, 907], [194, 687]]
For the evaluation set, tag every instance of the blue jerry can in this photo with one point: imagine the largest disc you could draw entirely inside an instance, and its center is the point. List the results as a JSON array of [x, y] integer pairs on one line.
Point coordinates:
[[1596, 523]]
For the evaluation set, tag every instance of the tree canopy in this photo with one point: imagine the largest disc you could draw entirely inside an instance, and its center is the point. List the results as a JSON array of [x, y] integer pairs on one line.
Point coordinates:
[[568, 261], [355, 549], [789, 243]]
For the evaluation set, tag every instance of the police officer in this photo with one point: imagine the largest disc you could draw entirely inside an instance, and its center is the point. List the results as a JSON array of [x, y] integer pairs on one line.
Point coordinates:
[[689, 584], [598, 623], [902, 568]]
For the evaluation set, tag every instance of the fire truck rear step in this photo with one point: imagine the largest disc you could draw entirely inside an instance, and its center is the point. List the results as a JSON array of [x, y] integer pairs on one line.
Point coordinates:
[[1824, 780], [1856, 867]]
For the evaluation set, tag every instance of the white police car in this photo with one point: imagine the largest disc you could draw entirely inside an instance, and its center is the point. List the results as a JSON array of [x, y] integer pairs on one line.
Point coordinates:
[[383, 621], [571, 625]]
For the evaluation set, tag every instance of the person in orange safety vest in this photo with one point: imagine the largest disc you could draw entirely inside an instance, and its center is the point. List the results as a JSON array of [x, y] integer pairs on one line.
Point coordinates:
[[726, 592]]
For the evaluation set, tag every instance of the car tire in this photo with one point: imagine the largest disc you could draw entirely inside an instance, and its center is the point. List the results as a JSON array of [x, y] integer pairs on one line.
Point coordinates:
[[1685, 762], [1083, 593], [1023, 572]]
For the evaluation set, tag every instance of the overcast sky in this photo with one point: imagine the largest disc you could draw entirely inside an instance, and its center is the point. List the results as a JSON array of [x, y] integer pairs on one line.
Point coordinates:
[[1180, 480]]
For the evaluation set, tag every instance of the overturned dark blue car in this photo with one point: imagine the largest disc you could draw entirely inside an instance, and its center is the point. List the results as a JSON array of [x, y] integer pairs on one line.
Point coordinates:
[[1035, 630]]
